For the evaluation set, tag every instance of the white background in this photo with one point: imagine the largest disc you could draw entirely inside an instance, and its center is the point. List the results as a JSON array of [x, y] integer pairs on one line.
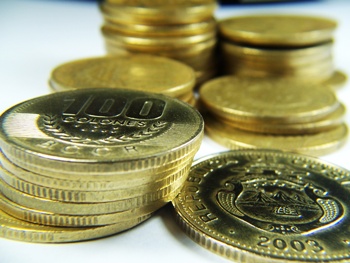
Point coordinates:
[[36, 36]]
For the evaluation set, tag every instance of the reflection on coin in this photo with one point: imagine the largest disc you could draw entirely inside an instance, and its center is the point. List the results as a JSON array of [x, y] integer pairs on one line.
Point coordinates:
[[278, 30], [337, 80], [267, 206]]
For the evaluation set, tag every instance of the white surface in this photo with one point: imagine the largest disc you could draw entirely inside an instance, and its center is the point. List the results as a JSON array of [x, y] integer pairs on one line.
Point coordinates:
[[36, 36]]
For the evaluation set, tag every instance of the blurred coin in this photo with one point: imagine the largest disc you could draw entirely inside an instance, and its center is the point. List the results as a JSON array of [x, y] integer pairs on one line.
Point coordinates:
[[278, 30]]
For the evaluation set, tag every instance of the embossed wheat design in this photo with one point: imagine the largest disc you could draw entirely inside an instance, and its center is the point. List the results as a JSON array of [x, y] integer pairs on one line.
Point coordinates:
[[51, 125]]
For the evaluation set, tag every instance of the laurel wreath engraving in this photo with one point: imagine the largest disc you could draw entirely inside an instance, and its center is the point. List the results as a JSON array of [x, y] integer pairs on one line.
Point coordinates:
[[51, 125]]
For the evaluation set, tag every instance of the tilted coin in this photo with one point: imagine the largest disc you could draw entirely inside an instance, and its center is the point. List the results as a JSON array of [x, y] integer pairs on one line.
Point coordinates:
[[13, 228], [278, 30], [105, 130], [267, 206], [137, 72], [267, 100], [317, 144]]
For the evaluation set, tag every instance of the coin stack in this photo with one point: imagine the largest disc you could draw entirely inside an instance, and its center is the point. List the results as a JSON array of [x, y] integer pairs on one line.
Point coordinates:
[[83, 164], [287, 46], [136, 72], [273, 113], [183, 30]]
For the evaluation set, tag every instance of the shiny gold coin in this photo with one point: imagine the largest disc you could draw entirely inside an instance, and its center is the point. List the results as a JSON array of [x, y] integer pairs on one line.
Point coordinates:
[[100, 130], [267, 100], [289, 56], [337, 80], [311, 144], [158, 12], [16, 229], [188, 51], [267, 206], [317, 73], [137, 72], [278, 30], [329, 122], [63, 220], [150, 200], [91, 196], [158, 42], [162, 30]]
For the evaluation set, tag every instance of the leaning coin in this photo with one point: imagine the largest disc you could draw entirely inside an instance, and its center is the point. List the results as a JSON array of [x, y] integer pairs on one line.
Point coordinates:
[[267, 206]]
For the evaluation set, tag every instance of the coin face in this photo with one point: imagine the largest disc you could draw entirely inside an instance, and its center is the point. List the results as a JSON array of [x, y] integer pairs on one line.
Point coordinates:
[[278, 30], [267, 206], [137, 72], [104, 126]]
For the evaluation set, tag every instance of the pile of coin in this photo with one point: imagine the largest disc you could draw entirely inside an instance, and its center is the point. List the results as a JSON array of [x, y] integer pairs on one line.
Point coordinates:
[[267, 206], [288, 46], [136, 72], [182, 29], [83, 164], [273, 113]]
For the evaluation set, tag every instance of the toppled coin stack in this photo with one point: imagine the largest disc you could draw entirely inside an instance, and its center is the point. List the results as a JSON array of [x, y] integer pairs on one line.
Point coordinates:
[[267, 206], [183, 30], [136, 72], [83, 164], [288, 46], [273, 113]]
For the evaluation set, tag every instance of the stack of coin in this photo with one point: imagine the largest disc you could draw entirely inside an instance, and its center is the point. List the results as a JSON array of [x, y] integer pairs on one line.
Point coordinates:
[[83, 164], [182, 29], [287, 46], [273, 113], [136, 72], [267, 206]]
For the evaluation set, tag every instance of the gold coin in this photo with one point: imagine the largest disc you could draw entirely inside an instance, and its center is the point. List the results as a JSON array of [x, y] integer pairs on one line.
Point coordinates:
[[16, 229], [270, 100], [100, 130], [149, 200], [278, 30], [311, 144], [192, 50], [158, 42], [162, 30], [290, 56], [337, 80], [158, 12], [137, 72], [92, 196], [329, 122], [267, 206]]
